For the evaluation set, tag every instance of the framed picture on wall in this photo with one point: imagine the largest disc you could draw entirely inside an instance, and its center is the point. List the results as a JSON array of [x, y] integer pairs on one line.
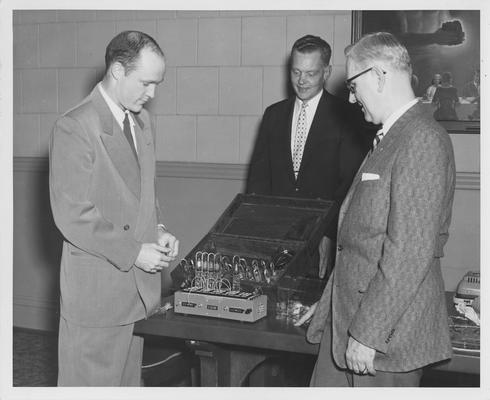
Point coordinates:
[[444, 47]]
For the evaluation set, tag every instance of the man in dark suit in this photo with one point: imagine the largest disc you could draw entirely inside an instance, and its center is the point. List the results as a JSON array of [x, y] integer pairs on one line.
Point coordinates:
[[307, 146], [102, 187], [382, 316]]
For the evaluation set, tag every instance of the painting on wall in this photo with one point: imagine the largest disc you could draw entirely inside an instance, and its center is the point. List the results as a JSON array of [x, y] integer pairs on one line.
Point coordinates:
[[444, 47]]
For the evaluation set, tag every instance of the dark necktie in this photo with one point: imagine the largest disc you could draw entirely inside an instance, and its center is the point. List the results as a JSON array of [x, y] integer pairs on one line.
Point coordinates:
[[127, 133]]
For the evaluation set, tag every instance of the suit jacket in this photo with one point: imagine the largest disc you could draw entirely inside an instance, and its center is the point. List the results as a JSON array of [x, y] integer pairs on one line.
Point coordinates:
[[386, 289], [104, 204], [331, 156]]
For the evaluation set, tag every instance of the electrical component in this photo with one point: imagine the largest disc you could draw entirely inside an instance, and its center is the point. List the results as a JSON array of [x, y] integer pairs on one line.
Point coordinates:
[[236, 305]]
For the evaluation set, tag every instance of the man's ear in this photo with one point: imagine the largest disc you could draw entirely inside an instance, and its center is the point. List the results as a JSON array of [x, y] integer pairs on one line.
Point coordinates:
[[117, 70], [381, 78], [327, 71]]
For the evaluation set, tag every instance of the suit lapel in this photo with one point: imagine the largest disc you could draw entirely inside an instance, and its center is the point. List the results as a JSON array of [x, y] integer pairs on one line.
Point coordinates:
[[345, 204], [318, 126], [146, 158], [389, 144], [287, 126], [117, 146]]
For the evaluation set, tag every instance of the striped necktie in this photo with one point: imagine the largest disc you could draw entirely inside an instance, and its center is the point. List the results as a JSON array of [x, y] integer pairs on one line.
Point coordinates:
[[127, 133], [299, 139], [377, 138]]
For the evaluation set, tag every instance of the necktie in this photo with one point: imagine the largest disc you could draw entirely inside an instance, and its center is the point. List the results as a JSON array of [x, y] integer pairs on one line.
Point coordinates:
[[127, 133], [299, 139], [377, 138]]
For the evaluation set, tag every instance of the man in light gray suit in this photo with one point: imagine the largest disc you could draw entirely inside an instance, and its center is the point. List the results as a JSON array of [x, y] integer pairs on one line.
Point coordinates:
[[382, 316], [102, 188]]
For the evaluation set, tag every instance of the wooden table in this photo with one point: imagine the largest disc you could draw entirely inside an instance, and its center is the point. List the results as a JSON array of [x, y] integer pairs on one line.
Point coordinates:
[[229, 350]]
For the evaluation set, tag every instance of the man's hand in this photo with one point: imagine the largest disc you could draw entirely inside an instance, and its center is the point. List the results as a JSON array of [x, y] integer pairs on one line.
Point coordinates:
[[360, 358], [166, 239], [307, 315], [153, 257], [326, 256]]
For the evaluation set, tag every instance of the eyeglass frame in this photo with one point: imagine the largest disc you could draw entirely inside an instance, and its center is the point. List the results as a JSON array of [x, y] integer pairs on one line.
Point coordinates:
[[348, 81]]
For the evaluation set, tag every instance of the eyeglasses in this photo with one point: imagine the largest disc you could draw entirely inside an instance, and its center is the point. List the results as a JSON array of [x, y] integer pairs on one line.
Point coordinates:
[[348, 82]]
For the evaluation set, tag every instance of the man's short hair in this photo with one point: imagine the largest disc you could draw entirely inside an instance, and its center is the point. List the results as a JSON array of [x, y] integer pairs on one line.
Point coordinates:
[[125, 48], [310, 43], [382, 47]]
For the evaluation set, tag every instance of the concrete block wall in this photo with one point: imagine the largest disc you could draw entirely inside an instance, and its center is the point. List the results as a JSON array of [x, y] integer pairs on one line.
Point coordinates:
[[223, 69]]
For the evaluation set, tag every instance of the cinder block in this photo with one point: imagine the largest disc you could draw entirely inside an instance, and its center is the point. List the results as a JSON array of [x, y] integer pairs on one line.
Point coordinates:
[[241, 13], [272, 13], [74, 85], [154, 14], [25, 46], [219, 41], [58, 44], [263, 40], [197, 90], [276, 83], [39, 91], [178, 40], [47, 124], [299, 26], [217, 139], [115, 15], [75, 15], [148, 27], [249, 128], [342, 37], [335, 84], [36, 16], [176, 138], [197, 13], [17, 92], [165, 101], [26, 135], [329, 12], [93, 38], [240, 91]]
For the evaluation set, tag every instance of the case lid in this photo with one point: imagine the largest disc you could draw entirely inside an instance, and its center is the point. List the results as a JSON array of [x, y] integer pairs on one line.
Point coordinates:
[[280, 218]]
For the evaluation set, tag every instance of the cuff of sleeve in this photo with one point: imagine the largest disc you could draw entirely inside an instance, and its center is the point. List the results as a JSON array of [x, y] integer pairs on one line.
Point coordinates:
[[162, 227], [377, 343]]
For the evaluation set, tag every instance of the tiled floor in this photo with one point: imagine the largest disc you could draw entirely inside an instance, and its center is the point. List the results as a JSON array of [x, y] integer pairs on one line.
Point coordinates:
[[35, 364], [34, 358]]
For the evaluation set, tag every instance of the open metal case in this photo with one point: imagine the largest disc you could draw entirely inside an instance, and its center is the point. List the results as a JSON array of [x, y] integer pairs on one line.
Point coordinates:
[[268, 244]]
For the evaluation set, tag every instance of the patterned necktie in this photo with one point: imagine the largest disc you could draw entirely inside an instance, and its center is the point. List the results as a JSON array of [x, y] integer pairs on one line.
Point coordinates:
[[377, 139], [299, 139], [127, 133]]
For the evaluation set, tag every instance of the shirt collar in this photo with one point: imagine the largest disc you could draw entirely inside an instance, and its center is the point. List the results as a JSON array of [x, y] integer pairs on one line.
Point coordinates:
[[312, 103], [397, 114], [115, 109]]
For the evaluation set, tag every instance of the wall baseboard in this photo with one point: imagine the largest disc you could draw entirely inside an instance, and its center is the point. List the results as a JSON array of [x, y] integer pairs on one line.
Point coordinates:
[[35, 313], [196, 170]]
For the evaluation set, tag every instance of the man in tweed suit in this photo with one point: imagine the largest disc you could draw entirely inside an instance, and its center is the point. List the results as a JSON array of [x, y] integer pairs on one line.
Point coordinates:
[[382, 316]]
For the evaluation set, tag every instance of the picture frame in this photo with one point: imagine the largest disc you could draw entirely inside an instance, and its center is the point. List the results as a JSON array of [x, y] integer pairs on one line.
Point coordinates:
[[443, 44]]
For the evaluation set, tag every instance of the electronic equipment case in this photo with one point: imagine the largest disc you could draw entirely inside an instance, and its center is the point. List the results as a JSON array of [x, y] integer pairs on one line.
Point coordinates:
[[258, 227]]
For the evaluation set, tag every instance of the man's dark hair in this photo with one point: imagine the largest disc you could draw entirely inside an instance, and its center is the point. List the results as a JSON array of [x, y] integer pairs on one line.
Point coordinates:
[[125, 48], [310, 43]]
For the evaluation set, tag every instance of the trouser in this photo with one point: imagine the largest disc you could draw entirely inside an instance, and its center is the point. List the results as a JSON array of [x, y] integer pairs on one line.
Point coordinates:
[[98, 356], [327, 374]]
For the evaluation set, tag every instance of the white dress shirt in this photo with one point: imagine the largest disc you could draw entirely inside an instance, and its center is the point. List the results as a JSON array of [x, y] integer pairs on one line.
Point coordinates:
[[310, 114], [118, 113]]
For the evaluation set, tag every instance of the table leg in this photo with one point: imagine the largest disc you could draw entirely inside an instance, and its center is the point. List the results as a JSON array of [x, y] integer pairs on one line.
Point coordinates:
[[224, 366]]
